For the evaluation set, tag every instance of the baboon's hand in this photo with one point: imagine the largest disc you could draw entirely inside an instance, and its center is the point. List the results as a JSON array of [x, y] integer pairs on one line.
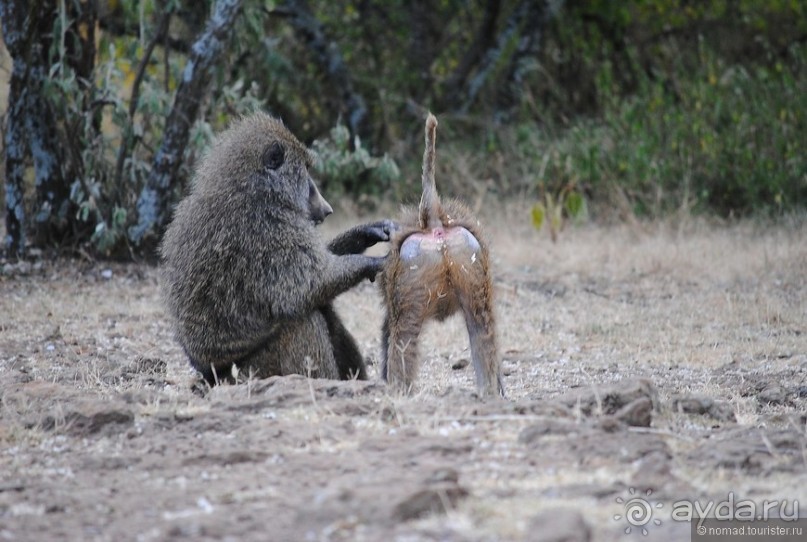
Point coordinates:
[[381, 231], [358, 239], [374, 267]]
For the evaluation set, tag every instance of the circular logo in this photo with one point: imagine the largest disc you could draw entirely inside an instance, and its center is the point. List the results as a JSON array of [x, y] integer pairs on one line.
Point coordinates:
[[638, 511]]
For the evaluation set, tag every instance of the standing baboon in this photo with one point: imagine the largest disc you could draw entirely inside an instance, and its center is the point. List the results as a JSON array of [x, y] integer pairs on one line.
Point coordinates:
[[246, 277], [438, 264]]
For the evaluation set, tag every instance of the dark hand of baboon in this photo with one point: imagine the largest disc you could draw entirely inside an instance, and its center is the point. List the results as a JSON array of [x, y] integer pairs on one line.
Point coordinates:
[[246, 277], [359, 238], [375, 265], [438, 265], [379, 232]]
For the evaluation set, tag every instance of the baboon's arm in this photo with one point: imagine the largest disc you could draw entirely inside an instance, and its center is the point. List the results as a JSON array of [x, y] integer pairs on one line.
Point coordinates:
[[358, 239], [299, 294]]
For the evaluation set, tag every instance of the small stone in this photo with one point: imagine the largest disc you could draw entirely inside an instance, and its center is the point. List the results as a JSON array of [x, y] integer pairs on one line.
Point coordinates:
[[722, 411], [91, 419], [435, 499], [719, 410], [772, 395], [546, 426], [638, 413], [692, 405], [609, 399], [611, 424], [106, 273]]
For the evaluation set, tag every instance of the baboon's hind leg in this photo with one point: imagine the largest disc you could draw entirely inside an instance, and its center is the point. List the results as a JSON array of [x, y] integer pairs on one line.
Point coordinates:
[[400, 364], [474, 291], [301, 346], [349, 361], [482, 337]]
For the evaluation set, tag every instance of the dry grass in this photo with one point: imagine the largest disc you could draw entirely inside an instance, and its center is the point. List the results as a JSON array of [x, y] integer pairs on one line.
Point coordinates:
[[699, 310]]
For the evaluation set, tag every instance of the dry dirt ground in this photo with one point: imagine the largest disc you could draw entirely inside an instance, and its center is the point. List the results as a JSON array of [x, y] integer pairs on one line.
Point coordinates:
[[654, 362]]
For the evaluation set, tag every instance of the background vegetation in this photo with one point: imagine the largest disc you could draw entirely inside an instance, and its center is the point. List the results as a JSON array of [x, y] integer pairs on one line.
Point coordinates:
[[643, 107]]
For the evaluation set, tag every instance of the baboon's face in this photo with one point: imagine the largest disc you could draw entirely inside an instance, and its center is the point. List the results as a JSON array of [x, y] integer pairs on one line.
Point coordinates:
[[286, 166], [260, 157]]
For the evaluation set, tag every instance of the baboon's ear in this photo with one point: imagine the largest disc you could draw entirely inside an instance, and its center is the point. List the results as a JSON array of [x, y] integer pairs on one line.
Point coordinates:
[[273, 155]]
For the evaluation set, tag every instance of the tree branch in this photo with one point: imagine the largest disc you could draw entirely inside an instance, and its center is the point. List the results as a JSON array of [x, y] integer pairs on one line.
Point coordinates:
[[154, 199], [162, 29], [494, 52], [539, 14], [329, 58], [482, 42]]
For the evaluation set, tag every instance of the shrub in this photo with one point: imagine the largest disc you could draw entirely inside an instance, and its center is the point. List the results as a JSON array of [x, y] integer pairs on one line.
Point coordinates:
[[724, 138]]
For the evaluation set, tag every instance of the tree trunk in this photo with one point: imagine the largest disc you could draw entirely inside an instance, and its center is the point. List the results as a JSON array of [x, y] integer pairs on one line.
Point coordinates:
[[51, 217], [154, 200], [16, 149], [127, 139], [494, 53], [13, 16], [485, 35], [421, 48], [80, 40], [327, 55], [31, 126], [538, 16]]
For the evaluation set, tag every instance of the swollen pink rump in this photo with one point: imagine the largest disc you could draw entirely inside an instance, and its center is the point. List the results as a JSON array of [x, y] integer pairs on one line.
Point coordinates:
[[447, 240]]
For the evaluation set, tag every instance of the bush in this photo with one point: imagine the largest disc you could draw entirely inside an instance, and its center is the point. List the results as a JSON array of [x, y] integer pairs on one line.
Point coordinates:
[[725, 138], [343, 169]]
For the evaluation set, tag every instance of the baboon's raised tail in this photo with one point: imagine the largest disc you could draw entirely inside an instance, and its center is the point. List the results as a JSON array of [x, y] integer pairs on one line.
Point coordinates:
[[430, 207]]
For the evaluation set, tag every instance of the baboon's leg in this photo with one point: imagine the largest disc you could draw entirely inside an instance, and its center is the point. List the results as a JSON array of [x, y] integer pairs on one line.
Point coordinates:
[[212, 375], [470, 276], [482, 336], [301, 346], [401, 365], [384, 347], [349, 361]]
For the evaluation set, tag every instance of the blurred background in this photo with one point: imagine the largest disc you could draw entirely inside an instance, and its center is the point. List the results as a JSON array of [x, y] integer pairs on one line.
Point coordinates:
[[587, 109]]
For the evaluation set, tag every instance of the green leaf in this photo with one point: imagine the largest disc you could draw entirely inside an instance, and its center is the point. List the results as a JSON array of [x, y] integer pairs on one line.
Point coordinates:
[[538, 215], [119, 217], [574, 204]]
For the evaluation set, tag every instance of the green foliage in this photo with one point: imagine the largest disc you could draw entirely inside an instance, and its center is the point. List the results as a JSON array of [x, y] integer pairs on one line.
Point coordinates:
[[342, 169], [568, 204], [729, 139], [660, 106], [104, 197], [652, 106]]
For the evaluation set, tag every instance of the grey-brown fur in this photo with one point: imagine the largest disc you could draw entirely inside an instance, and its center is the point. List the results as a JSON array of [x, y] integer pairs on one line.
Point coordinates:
[[246, 278], [438, 265]]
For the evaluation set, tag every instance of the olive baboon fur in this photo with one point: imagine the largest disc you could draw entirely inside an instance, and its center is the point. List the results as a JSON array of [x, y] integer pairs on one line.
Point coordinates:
[[246, 278], [438, 265]]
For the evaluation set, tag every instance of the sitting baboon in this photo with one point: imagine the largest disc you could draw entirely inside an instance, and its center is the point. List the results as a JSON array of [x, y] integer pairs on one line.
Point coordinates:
[[437, 265], [246, 277]]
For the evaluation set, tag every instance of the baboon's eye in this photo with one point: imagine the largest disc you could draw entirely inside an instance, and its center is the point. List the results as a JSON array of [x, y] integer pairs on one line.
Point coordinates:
[[273, 156]]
